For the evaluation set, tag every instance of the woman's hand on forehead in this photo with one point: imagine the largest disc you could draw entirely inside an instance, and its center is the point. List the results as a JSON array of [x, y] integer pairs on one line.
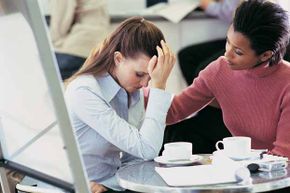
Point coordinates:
[[159, 70]]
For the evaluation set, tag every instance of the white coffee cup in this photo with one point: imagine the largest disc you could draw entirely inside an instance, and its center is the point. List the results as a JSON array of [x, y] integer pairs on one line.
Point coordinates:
[[238, 147], [177, 151]]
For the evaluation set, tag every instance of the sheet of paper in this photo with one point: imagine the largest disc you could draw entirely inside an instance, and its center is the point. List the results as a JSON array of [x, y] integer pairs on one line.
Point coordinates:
[[222, 170], [195, 175], [174, 11]]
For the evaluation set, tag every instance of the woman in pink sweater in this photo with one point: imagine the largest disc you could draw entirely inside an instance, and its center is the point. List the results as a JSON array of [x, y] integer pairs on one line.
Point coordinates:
[[251, 82]]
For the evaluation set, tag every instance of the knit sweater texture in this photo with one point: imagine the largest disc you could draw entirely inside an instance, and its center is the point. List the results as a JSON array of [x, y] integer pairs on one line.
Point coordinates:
[[254, 102]]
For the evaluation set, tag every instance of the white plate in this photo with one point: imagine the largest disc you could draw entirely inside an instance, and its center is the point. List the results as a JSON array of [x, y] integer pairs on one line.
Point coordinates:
[[162, 160], [251, 155]]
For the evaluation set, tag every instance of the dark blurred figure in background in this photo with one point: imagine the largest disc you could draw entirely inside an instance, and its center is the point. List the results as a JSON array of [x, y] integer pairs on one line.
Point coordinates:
[[76, 26], [195, 57]]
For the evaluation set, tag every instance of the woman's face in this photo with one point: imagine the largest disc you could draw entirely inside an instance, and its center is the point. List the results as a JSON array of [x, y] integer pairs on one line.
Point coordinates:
[[131, 73], [239, 54]]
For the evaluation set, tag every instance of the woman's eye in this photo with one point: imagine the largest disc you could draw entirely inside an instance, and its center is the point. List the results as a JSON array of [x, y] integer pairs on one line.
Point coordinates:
[[238, 52], [139, 75]]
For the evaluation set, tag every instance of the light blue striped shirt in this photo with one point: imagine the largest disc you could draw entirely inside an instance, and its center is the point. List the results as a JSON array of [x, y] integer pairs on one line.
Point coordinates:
[[108, 132]]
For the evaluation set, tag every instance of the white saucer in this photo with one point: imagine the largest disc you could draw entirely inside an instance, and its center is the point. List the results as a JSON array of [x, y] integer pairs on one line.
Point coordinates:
[[251, 155], [162, 160]]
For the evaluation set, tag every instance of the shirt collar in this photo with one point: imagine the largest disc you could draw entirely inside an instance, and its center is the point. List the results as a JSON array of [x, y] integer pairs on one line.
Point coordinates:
[[135, 97], [110, 88]]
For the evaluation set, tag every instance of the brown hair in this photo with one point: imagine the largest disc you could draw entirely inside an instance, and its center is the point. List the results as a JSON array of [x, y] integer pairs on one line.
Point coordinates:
[[132, 37]]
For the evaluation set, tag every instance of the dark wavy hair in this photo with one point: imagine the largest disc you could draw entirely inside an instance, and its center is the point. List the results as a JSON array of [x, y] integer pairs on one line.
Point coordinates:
[[266, 25]]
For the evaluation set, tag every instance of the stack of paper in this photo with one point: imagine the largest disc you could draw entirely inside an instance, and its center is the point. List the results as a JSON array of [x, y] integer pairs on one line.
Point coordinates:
[[266, 158], [173, 11]]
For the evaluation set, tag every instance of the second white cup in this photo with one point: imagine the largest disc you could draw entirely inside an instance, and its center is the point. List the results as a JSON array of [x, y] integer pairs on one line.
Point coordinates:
[[236, 147]]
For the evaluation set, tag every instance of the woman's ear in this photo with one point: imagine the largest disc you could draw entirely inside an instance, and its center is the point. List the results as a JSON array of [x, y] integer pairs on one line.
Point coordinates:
[[266, 56], [118, 58]]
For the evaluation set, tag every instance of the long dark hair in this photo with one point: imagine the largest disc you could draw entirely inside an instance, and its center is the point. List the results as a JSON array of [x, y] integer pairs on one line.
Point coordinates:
[[266, 25], [133, 36]]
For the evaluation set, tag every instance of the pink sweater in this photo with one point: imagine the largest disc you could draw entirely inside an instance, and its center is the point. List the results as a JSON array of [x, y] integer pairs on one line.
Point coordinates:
[[255, 103]]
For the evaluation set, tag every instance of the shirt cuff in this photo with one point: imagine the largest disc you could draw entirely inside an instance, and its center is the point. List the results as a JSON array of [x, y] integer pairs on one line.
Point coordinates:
[[158, 103]]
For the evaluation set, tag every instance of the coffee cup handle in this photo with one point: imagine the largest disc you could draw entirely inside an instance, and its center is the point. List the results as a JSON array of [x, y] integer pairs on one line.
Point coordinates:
[[217, 145]]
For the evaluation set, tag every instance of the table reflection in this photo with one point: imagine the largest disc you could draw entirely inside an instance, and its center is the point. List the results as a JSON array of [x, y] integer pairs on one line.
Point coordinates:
[[142, 177]]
